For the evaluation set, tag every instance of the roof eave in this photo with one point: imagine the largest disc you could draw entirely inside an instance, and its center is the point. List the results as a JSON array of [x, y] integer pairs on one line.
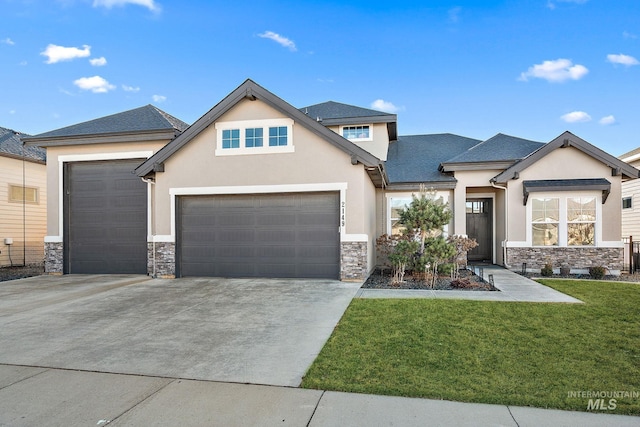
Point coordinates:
[[415, 186], [26, 159], [475, 166], [359, 120], [103, 138]]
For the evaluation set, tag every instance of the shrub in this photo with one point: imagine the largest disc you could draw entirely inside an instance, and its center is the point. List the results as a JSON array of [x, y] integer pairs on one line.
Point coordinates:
[[547, 270], [597, 272], [463, 283], [402, 257]]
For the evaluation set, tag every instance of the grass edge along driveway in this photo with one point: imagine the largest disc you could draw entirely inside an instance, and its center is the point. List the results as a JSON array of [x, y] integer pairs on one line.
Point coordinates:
[[545, 355]]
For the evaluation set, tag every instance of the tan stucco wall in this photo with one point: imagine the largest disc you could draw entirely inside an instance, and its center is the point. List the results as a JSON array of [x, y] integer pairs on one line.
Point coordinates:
[[24, 223], [96, 150], [467, 180], [314, 161], [566, 163], [380, 144]]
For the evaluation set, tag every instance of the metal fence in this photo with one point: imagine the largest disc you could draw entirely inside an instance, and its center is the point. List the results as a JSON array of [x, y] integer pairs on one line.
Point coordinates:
[[631, 254]]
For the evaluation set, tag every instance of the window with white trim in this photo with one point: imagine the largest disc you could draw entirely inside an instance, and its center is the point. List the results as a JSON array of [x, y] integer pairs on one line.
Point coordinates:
[[581, 221], [564, 220], [396, 206], [254, 137], [356, 132]]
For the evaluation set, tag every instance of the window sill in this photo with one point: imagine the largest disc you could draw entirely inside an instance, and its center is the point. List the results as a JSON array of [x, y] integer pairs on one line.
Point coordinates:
[[252, 151]]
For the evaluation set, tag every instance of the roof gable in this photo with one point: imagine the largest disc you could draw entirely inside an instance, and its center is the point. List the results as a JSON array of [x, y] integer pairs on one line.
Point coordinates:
[[11, 146], [564, 140], [252, 91], [340, 113]]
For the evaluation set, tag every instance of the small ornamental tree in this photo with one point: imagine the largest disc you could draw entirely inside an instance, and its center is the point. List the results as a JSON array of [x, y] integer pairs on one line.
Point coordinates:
[[425, 216], [462, 244], [401, 257]]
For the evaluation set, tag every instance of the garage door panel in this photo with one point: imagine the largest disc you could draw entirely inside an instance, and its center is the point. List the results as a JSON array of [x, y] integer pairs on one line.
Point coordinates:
[[265, 235], [105, 217]]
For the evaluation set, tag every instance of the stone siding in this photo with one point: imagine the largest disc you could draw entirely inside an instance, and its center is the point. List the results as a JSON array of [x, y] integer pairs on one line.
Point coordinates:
[[353, 261], [165, 260], [53, 258], [577, 259]]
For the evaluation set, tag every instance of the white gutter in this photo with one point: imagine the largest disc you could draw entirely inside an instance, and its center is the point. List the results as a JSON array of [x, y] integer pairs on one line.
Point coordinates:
[[506, 224], [153, 240]]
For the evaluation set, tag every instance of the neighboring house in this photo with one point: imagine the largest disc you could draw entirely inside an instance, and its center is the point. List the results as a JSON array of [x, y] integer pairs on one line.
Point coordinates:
[[258, 188], [23, 201], [631, 199]]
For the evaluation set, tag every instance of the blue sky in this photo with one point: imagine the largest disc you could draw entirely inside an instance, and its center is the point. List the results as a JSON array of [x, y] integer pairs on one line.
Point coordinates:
[[531, 69]]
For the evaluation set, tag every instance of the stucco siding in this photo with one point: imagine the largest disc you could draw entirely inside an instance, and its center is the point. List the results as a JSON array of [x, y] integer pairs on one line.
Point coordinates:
[[57, 155], [25, 223], [378, 146]]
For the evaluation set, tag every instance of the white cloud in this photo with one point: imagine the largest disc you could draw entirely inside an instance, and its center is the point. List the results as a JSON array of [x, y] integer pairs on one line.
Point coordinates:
[[159, 98], [386, 106], [552, 5], [628, 35], [95, 84], [576, 117], [622, 59], [55, 53], [454, 14], [555, 71], [607, 120], [281, 40], [98, 62], [12, 111], [149, 4], [8, 41], [130, 88]]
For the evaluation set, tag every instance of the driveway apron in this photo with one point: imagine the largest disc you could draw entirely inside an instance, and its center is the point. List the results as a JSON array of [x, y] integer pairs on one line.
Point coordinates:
[[260, 331]]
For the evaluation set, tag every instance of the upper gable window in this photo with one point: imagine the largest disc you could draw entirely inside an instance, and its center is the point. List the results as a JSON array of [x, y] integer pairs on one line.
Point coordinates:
[[357, 133], [254, 137]]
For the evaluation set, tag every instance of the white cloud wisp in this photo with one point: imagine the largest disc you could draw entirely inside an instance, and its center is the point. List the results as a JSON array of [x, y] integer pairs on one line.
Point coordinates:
[[55, 53], [576, 117], [281, 40], [622, 59], [386, 106], [95, 84], [149, 4], [555, 71]]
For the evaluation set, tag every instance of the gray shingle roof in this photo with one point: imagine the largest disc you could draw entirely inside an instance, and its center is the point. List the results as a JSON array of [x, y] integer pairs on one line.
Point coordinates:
[[498, 148], [147, 118], [336, 110], [11, 145], [416, 158]]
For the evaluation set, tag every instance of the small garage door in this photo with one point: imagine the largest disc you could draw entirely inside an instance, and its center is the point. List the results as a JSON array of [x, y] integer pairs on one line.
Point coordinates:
[[292, 235], [105, 211]]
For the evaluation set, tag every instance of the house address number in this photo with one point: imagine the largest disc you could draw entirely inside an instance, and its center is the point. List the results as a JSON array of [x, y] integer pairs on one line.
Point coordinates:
[[343, 209]]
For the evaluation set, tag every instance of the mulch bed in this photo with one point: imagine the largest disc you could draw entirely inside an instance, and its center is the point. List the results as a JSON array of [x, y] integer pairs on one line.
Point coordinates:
[[12, 273], [469, 281]]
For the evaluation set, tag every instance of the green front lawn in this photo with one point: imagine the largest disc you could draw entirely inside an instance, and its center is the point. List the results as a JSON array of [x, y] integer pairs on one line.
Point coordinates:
[[525, 354]]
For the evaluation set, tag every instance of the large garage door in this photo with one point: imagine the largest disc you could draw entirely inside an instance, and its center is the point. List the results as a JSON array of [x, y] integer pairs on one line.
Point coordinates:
[[105, 218], [274, 235]]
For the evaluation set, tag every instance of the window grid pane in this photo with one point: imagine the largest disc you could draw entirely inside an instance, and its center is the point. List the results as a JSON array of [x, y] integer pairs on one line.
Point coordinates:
[[355, 132], [253, 137], [278, 136], [581, 217], [545, 218], [231, 138]]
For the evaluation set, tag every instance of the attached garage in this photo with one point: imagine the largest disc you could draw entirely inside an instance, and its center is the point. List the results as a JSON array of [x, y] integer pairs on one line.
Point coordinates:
[[284, 235], [105, 212]]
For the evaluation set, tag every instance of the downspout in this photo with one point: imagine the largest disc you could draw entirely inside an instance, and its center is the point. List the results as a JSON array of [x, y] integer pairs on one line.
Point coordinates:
[[506, 223], [153, 228]]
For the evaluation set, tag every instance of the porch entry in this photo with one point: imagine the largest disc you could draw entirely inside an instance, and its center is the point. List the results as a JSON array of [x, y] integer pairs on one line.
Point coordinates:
[[480, 227]]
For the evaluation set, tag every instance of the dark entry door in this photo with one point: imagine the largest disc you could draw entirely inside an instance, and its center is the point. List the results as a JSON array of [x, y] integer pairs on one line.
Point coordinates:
[[292, 235], [105, 218], [480, 227]]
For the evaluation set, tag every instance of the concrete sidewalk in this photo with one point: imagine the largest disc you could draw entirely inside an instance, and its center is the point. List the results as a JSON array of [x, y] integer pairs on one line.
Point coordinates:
[[39, 396], [512, 287]]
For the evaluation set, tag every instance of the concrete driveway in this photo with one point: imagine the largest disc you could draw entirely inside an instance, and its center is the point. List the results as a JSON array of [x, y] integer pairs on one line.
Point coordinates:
[[258, 331]]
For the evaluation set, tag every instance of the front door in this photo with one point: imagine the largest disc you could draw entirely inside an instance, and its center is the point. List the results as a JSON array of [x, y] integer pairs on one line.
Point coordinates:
[[480, 227]]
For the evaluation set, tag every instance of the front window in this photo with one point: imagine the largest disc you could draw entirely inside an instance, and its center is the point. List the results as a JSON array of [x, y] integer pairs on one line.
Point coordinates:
[[277, 136], [545, 221], [18, 193], [355, 133], [397, 205], [231, 138], [626, 203], [253, 137], [581, 221]]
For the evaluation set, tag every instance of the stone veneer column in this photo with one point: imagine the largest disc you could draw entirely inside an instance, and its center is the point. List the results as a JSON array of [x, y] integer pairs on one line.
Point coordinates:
[[353, 261], [53, 258], [165, 259]]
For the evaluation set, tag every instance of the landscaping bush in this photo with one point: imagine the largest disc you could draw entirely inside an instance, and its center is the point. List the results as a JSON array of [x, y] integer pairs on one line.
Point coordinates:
[[597, 272], [463, 283], [547, 270]]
